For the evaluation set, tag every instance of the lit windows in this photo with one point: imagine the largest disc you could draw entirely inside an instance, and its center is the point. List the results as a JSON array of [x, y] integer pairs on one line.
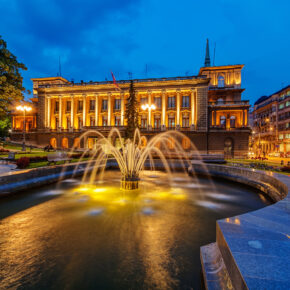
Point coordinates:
[[117, 104], [157, 102], [68, 106], [104, 105], [80, 105], [171, 102], [221, 81], [92, 105], [185, 101]]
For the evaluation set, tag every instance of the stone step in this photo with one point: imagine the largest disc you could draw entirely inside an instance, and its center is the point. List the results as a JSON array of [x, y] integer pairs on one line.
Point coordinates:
[[215, 273]]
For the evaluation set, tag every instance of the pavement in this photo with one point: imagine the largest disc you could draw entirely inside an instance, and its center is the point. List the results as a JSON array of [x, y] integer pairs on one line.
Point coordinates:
[[7, 167]]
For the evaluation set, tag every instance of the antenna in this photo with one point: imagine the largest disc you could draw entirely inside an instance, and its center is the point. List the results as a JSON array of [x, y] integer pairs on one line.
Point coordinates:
[[214, 53], [59, 67]]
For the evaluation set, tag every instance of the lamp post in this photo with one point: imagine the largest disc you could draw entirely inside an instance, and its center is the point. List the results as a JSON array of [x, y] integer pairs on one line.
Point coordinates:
[[149, 108], [24, 109]]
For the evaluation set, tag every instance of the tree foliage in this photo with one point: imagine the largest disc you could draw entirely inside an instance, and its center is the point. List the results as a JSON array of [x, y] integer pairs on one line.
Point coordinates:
[[11, 88], [5, 125], [132, 112]]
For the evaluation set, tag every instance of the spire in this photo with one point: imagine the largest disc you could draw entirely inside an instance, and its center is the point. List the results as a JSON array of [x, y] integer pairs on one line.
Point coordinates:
[[207, 57]]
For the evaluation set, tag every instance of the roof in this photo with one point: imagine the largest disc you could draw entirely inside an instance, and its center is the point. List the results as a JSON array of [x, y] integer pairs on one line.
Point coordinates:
[[51, 79], [285, 88], [261, 99], [221, 67]]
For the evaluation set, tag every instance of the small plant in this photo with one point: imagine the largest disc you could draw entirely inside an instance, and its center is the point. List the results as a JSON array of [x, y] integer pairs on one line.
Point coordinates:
[[23, 162]]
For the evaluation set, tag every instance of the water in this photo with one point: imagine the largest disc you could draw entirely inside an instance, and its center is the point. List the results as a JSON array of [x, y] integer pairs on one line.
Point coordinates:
[[100, 237]]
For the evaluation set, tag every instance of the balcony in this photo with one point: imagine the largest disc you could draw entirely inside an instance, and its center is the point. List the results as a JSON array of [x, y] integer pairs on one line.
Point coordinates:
[[223, 128], [228, 103]]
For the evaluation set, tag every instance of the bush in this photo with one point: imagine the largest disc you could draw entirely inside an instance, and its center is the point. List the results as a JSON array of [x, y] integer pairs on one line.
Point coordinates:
[[38, 159], [3, 150], [23, 162], [285, 168]]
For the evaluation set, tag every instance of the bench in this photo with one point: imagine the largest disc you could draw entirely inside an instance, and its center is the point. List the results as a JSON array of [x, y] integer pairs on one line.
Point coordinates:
[[11, 157], [58, 156]]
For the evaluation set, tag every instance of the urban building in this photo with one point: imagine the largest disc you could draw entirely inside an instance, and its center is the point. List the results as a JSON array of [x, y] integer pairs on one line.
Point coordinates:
[[207, 108], [271, 131]]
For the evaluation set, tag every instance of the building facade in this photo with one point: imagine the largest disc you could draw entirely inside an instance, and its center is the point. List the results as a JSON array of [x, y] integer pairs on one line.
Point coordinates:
[[207, 108], [271, 129]]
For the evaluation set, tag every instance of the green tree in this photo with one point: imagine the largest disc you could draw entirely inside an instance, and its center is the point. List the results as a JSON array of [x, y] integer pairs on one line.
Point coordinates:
[[5, 125], [11, 88], [132, 112]]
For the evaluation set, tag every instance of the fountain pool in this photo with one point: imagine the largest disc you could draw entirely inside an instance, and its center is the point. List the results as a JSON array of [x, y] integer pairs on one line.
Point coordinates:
[[98, 236]]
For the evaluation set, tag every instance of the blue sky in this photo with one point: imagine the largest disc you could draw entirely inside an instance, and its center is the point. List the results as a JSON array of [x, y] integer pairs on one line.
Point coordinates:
[[94, 37]]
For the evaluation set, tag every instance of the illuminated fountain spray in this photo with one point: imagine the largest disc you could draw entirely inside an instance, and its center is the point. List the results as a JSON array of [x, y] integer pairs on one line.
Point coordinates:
[[132, 154]]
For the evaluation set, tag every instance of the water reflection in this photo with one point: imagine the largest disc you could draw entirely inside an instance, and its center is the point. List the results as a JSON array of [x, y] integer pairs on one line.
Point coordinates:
[[98, 236]]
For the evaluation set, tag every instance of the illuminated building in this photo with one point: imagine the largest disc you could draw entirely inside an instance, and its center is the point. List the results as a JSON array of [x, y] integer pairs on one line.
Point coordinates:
[[207, 108], [271, 131]]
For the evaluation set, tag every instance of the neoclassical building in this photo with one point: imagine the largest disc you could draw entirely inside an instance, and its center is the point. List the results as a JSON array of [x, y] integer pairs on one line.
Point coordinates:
[[207, 108]]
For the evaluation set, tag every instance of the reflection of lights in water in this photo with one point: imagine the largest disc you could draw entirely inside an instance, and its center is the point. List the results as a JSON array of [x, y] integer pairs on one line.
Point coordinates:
[[209, 204], [121, 201], [220, 196], [83, 198], [100, 190], [255, 244], [70, 181], [51, 193], [96, 211], [147, 200], [237, 221], [189, 185], [147, 210]]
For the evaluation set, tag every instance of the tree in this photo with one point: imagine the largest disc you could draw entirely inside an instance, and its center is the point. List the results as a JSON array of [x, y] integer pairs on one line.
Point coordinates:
[[132, 113], [11, 88], [5, 125]]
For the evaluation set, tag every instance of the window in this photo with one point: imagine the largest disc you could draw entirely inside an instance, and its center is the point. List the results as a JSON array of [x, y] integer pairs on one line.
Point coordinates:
[[56, 108], [117, 121], [117, 104], [221, 81], [220, 101], [92, 105], [68, 106], [280, 136], [185, 121], [171, 102], [157, 102], [105, 120], [92, 121], [223, 121], [143, 122], [80, 105], [233, 121], [287, 103], [281, 106], [80, 122], [157, 122], [56, 122], [171, 122], [68, 124], [143, 101], [185, 101], [104, 105]]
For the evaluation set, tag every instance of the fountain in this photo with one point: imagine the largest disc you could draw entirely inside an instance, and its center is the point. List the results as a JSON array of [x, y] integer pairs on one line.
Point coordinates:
[[131, 155]]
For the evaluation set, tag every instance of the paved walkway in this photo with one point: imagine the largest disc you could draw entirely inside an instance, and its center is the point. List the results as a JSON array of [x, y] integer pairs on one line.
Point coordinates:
[[6, 167]]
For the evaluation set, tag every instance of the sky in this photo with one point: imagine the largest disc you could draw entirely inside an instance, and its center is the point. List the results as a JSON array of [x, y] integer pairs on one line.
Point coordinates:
[[150, 38]]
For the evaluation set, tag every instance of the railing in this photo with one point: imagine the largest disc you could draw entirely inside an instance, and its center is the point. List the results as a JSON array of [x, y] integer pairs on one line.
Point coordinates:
[[71, 84], [229, 129], [229, 103]]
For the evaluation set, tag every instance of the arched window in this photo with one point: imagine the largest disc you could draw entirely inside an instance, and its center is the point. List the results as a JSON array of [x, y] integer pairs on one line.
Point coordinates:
[[185, 143], [220, 101], [91, 142], [77, 143], [64, 143], [221, 81], [53, 142], [170, 143], [233, 121], [223, 120]]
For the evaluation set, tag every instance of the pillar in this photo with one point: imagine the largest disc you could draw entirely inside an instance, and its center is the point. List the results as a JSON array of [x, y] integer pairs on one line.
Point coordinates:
[[122, 109], [48, 112], [149, 126], [109, 109], [84, 110], [163, 125], [97, 110], [60, 113], [193, 110], [178, 109], [243, 118], [72, 111]]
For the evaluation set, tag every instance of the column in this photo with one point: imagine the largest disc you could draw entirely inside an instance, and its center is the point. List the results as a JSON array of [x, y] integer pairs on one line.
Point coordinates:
[[109, 109], [163, 125], [122, 109], [178, 109], [96, 110], [214, 117], [60, 113], [48, 112], [243, 118], [72, 111], [193, 110], [149, 126], [84, 110]]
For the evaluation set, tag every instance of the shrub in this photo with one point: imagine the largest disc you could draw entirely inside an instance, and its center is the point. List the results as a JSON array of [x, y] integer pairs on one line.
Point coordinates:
[[3, 150], [23, 162], [285, 168], [38, 159]]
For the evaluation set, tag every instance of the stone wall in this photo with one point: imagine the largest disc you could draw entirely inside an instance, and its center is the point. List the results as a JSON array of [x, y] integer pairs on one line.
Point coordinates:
[[202, 108]]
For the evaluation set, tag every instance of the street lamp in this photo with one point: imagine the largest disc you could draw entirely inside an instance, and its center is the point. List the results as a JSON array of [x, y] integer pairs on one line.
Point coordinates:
[[24, 109], [149, 108]]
